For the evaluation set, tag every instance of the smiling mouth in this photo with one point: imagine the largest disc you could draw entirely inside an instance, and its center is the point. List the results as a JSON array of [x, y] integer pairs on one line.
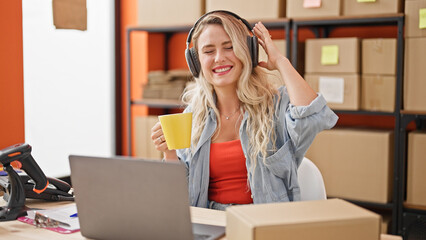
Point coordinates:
[[222, 69]]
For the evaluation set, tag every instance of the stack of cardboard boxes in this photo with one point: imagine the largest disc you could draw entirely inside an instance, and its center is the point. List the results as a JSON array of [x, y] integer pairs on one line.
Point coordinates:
[[166, 84], [415, 56], [332, 68], [415, 97], [378, 74], [356, 164]]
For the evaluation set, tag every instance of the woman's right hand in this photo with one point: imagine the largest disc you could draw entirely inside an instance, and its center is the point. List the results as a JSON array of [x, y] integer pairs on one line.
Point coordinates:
[[160, 143]]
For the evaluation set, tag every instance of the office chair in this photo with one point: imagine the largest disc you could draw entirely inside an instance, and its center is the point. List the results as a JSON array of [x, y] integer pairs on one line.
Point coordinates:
[[310, 181]]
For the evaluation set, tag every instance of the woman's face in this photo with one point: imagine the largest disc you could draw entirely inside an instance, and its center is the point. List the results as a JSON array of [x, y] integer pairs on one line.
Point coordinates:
[[219, 64]]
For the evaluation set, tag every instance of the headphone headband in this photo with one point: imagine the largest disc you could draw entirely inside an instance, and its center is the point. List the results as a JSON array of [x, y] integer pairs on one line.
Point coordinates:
[[189, 38]]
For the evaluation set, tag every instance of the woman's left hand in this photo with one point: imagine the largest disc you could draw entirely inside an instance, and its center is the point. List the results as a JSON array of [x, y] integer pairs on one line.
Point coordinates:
[[265, 40]]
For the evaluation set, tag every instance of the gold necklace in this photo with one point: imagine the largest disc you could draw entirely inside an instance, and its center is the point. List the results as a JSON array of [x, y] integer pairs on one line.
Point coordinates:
[[228, 117]]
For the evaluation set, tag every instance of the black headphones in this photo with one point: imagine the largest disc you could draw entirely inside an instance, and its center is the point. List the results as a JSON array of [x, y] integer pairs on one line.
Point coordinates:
[[192, 56]]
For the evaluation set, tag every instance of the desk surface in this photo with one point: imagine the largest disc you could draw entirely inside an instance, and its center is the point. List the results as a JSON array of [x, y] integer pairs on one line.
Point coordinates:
[[13, 230]]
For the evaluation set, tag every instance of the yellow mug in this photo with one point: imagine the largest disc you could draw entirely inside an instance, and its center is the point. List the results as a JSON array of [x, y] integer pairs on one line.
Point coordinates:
[[177, 129]]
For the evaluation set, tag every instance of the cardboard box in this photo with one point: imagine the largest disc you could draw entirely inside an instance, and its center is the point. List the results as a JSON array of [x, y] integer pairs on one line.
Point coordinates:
[[332, 219], [356, 164], [413, 20], [70, 14], [353, 7], [274, 76], [324, 8], [390, 237], [414, 74], [144, 147], [386, 223], [416, 168], [250, 9], [168, 13], [332, 55], [342, 91], [379, 56], [378, 93]]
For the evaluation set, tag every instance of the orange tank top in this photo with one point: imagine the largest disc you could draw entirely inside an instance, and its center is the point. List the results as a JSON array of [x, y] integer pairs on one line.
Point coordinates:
[[228, 174]]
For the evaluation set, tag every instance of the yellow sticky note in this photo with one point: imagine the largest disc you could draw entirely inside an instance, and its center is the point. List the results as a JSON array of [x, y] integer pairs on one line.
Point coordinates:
[[422, 18], [366, 0], [330, 55]]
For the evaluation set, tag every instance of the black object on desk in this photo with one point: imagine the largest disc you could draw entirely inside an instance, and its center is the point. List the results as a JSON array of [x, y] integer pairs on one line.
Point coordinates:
[[15, 188]]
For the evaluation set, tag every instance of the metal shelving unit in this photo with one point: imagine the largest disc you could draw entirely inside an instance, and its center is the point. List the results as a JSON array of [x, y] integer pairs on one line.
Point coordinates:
[[322, 27], [168, 32]]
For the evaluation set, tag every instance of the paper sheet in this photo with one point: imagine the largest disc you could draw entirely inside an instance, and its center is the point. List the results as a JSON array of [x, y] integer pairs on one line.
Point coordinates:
[[332, 88], [312, 3], [60, 214]]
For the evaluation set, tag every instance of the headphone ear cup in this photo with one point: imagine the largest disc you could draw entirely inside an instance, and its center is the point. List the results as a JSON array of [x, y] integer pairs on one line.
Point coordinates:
[[193, 62], [253, 46], [255, 53]]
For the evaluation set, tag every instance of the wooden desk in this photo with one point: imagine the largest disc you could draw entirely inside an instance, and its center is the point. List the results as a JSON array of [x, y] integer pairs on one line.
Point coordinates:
[[13, 230]]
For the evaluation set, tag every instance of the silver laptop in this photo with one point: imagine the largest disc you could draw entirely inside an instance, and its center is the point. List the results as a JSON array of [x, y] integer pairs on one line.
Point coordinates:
[[128, 198]]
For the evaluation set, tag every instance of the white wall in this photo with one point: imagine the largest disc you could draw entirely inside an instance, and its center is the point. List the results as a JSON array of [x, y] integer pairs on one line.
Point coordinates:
[[68, 85]]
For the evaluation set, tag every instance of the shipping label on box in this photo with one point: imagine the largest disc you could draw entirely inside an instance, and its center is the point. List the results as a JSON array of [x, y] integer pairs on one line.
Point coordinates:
[[378, 93], [416, 168], [313, 8], [414, 74], [332, 88], [379, 56], [342, 91], [354, 7], [415, 19], [332, 219], [355, 164], [332, 55], [311, 3], [250, 9]]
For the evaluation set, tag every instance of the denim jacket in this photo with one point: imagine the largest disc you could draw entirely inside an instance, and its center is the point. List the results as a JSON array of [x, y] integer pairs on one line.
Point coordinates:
[[276, 179]]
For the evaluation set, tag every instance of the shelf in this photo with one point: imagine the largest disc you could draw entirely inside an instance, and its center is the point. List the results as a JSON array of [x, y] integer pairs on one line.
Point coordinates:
[[420, 114], [414, 208], [349, 20], [168, 29], [160, 103]]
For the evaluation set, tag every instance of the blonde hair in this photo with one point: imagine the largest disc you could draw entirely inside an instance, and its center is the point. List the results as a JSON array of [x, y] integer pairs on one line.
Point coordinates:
[[254, 91]]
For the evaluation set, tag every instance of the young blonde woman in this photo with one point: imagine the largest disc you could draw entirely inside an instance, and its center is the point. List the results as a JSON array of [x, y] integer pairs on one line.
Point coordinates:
[[248, 136]]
